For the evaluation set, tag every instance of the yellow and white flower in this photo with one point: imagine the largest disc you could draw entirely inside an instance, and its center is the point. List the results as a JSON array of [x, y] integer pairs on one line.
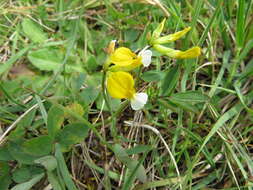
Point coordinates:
[[125, 60], [156, 42], [120, 85]]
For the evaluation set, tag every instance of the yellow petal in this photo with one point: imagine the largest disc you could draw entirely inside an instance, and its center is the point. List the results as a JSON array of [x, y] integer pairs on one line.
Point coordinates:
[[172, 37], [190, 53], [136, 63], [123, 56], [120, 85]]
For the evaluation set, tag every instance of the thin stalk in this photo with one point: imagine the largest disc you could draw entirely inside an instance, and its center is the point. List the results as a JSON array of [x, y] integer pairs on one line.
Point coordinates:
[[107, 103]]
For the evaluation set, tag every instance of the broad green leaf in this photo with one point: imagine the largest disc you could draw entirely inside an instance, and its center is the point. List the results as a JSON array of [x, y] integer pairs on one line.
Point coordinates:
[[130, 163], [5, 154], [50, 59], [72, 134], [46, 59], [89, 95], [28, 185], [33, 31], [17, 134], [49, 162], [17, 152], [190, 96], [153, 75], [28, 119], [170, 80], [63, 168], [75, 108], [5, 178], [21, 175], [5, 182], [54, 120], [92, 64], [4, 168], [38, 146], [78, 81]]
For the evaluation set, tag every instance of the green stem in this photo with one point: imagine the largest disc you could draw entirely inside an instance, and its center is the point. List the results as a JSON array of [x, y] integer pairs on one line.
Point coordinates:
[[107, 103]]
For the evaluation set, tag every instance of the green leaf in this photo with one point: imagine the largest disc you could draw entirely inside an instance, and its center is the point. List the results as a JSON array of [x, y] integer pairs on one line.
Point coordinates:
[[49, 162], [18, 153], [4, 168], [240, 23], [28, 185], [89, 95], [75, 108], [138, 149], [38, 146], [33, 31], [50, 59], [115, 103], [130, 163], [245, 51], [72, 134], [27, 119], [54, 120], [5, 178], [5, 154], [184, 105], [151, 76], [21, 175], [190, 96], [91, 63], [170, 80], [63, 168], [46, 59], [5, 182], [54, 181]]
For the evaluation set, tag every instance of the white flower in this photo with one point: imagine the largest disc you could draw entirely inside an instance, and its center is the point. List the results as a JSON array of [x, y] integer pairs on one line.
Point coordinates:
[[145, 57], [139, 100]]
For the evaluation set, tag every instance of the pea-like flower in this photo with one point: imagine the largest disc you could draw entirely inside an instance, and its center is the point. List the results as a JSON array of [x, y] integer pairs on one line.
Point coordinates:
[[190, 53], [120, 85], [125, 60], [156, 42]]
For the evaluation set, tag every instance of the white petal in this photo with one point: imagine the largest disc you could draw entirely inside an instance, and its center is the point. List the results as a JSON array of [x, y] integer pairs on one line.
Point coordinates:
[[139, 100], [146, 57]]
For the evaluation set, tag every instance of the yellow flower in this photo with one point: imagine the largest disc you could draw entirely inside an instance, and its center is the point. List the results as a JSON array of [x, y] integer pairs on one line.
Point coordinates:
[[190, 53], [171, 37], [156, 42], [125, 60], [121, 85]]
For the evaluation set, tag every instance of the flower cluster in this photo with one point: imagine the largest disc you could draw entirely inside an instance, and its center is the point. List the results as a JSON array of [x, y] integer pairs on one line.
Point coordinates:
[[120, 83], [156, 41]]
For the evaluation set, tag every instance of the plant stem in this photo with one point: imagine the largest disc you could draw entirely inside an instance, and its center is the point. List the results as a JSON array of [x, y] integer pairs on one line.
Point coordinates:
[[107, 103]]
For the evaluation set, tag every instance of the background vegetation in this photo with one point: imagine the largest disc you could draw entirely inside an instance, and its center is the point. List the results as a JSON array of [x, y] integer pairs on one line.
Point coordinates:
[[56, 132]]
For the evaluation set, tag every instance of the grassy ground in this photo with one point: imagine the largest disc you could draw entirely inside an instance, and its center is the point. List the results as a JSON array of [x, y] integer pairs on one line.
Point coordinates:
[[56, 131]]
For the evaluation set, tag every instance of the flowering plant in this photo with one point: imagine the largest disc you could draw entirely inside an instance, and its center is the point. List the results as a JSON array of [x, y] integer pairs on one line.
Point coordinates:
[[121, 61]]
